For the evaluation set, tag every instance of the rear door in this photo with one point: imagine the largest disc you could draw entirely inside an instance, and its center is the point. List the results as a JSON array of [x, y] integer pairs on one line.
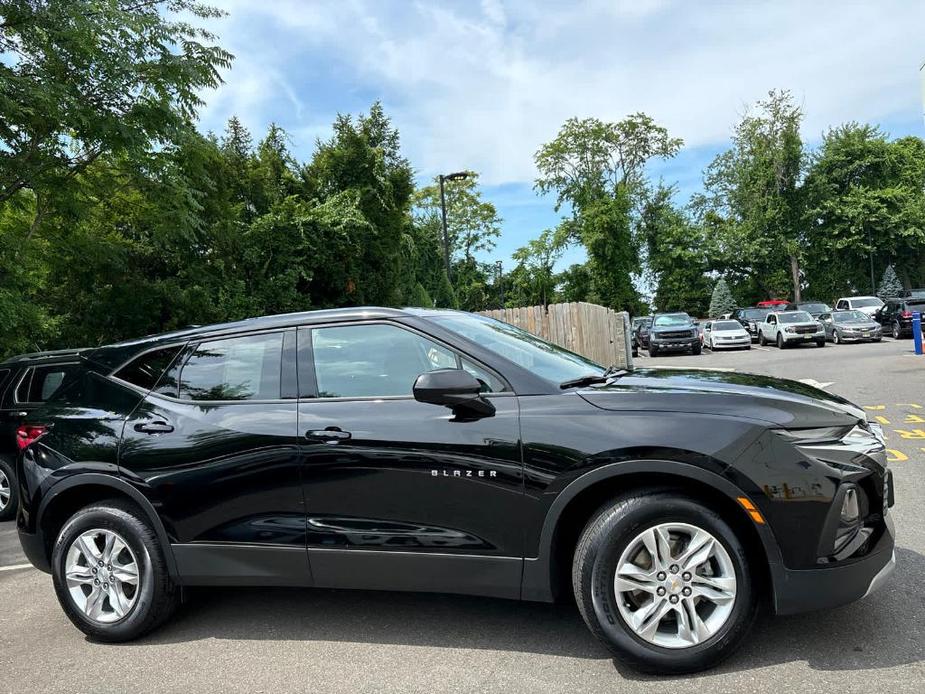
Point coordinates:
[[215, 444], [402, 494]]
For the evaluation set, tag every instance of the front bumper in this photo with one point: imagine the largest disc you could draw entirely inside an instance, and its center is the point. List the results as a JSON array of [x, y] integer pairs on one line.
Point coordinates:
[[679, 344], [816, 589], [732, 344], [861, 337], [808, 337]]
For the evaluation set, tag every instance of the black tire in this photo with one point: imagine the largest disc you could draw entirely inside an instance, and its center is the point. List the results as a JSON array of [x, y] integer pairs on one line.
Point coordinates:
[[761, 340], [780, 341], [157, 597], [820, 343], [696, 349], [599, 548], [897, 331], [653, 350], [8, 512]]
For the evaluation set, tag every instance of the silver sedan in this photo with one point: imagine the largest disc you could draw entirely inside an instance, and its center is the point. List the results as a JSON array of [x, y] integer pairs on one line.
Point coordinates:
[[850, 326], [726, 334]]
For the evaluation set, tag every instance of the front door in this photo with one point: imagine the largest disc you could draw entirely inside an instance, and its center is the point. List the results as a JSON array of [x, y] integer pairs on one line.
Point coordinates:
[[215, 444], [401, 494]]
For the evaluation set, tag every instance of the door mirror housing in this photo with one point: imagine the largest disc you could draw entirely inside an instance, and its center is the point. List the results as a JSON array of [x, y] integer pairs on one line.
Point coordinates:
[[454, 388]]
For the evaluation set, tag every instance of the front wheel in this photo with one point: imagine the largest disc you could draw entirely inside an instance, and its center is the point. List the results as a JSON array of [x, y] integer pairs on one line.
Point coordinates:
[[820, 343], [836, 338], [653, 350], [109, 573], [696, 349], [664, 583], [780, 341], [9, 494], [761, 340]]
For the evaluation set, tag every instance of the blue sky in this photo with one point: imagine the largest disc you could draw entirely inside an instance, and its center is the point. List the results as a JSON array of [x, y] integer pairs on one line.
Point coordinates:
[[480, 85]]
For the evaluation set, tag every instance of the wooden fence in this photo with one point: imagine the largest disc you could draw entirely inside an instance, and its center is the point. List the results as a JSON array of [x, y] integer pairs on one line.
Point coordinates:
[[593, 331]]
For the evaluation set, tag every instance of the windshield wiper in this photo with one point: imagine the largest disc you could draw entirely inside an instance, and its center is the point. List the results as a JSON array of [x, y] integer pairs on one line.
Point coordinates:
[[590, 379]]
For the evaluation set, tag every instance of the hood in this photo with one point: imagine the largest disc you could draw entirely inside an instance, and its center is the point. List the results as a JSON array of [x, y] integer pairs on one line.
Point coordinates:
[[775, 401], [869, 323], [672, 328]]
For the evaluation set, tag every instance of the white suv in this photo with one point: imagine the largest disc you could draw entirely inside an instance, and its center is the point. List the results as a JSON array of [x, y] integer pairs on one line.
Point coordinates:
[[866, 304], [785, 328]]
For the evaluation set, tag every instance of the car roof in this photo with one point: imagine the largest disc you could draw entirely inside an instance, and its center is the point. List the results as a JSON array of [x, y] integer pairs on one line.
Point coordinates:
[[48, 357], [859, 296]]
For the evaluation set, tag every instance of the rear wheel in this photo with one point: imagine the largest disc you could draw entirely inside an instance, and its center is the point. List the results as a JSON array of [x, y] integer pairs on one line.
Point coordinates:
[[664, 583], [109, 573], [897, 331], [9, 494]]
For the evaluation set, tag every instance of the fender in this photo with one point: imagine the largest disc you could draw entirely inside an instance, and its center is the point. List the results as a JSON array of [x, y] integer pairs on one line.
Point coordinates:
[[537, 571], [98, 479]]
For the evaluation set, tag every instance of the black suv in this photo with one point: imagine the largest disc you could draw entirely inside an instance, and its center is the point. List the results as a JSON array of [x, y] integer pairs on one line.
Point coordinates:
[[673, 332], [751, 318], [896, 315], [26, 382], [442, 451]]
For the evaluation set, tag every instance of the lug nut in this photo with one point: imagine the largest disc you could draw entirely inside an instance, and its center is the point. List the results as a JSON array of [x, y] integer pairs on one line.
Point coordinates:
[[674, 599], [96, 581], [95, 570], [109, 568], [101, 564], [674, 568], [686, 575], [661, 576], [660, 591], [687, 592]]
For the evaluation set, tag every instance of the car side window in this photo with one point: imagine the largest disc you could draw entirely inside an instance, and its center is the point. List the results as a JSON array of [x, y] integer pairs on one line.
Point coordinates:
[[379, 360], [41, 382], [238, 368], [145, 370]]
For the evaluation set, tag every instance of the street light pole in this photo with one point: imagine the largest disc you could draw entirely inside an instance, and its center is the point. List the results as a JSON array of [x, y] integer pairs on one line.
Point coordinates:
[[458, 176], [500, 281], [870, 253]]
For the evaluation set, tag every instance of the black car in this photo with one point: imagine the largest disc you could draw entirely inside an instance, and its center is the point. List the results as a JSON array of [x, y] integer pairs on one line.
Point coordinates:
[[442, 451], [26, 382], [640, 324], [751, 318], [896, 315], [813, 308], [673, 332]]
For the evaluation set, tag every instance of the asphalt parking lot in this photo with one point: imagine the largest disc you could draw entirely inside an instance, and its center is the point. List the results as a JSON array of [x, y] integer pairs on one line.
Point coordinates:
[[274, 640]]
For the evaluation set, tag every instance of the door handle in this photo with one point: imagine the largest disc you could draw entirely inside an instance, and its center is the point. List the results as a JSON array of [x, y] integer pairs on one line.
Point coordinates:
[[20, 414], [154, 428], [331, 434]]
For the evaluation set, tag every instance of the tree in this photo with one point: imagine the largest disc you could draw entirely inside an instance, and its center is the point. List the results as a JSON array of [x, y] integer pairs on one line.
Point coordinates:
[[597, 169], [445, 297], [752, 202], [537, 260], [721, 301], [574, 284], [890, 286], [420, 297]]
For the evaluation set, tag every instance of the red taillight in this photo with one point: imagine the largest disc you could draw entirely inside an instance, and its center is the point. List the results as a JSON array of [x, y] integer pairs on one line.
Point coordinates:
[[907, 314], [26, 435]]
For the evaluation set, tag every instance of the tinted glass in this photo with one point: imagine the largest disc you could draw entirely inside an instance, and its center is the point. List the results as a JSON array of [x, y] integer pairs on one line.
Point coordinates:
[[373, 360], [672, 319], [544, 359], [490, 382], [917, 293], [755, 313], [145, 371], [240, 368], [815, 308], [727, 325], [42, 382], [847, 316], [796, 317], [866, 302]]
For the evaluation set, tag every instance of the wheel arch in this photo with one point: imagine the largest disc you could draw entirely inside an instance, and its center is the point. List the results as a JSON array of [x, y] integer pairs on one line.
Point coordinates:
[[547, 577], [73, 493]]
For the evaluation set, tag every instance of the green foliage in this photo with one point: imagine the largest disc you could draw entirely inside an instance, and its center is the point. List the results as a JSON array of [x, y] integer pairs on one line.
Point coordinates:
[[890, 286], [574, 284], [445, 296], [721, 302], [534, 276], [420, 298]]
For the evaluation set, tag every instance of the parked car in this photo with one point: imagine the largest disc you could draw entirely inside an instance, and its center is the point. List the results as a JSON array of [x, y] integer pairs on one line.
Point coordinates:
[[26, 382], [850, 326], [868, 304], [813, 308], [642, 333], [441, 451], [673, 332], [638, 323], [896, 315], [773, 303], [787, 328], [917, 293], [751, 318], [726, 334]]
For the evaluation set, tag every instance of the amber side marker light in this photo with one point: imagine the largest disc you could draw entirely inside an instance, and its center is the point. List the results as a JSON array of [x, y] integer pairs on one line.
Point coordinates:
[[750, 509]]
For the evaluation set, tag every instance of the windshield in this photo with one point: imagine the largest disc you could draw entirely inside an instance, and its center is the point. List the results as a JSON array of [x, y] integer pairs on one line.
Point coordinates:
[[727, 325], [815, 308], [847, 316], [866, 302], [795, 317], [638, 322], [917, 293], [542, 358], [670, 319], [755, 313]]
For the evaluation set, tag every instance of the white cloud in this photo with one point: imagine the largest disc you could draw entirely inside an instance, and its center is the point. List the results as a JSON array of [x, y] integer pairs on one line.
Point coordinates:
[[483, 85]]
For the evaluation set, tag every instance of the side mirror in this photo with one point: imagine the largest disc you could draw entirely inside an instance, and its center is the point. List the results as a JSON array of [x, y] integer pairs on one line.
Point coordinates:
[[454, 388]]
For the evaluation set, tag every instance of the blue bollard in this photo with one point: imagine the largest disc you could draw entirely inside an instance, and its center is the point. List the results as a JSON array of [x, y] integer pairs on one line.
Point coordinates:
[[917, 331]]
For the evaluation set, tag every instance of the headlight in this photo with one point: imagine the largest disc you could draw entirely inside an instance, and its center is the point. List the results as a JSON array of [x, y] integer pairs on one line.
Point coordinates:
[[789, 330], [817, 435]]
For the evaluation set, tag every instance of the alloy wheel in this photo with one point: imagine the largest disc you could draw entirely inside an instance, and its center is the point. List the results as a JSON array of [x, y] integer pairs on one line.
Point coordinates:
[[895, 331], [6, 491], [675, 585], [102, 575]]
